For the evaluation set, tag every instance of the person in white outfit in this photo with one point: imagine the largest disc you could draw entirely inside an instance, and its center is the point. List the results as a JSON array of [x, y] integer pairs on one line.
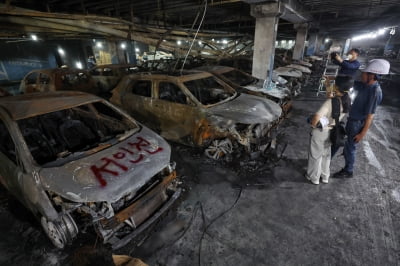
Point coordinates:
[[319, 154]]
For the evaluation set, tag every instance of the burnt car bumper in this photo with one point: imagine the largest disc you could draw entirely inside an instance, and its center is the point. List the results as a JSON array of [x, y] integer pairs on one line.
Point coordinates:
[[122, 242], [140, 214]]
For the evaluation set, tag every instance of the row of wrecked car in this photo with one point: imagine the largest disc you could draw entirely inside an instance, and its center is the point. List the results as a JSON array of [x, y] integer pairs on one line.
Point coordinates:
[[108, 76], [75, 159]]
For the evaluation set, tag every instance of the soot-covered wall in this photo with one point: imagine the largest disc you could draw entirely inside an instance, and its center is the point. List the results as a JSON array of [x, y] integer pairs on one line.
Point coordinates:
[[18, 58]]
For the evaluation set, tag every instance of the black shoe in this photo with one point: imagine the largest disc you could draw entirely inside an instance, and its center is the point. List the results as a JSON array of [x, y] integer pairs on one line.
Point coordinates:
[[343, 174]]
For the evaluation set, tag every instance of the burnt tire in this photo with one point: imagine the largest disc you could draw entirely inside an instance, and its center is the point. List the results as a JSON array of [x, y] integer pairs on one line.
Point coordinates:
[[60, 232]]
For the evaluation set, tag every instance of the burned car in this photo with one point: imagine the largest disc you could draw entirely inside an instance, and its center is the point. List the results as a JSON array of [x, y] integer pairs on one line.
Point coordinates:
[[75, 160], [108, 76], [157, 55], [58, 79], [294, 77], [245, 83], [302, 68], [198, 109]]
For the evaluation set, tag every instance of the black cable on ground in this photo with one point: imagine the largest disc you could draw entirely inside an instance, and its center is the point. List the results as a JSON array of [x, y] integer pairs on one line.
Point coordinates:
[[214, 220], [197, 206], [281, 155]]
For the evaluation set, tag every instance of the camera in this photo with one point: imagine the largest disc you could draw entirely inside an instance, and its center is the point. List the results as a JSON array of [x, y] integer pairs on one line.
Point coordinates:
[[333, 55], [309, 119]]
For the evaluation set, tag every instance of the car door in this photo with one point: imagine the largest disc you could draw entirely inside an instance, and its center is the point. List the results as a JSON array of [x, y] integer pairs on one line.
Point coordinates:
[[100, 80], [44, 82], [82, 81], [138, 101], [17, 173], [10, 171], [31, 82], [110, 78], [178, 116]]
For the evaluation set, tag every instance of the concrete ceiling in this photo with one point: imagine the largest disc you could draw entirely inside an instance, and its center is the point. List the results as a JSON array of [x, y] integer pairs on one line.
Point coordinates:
[[342, 18]]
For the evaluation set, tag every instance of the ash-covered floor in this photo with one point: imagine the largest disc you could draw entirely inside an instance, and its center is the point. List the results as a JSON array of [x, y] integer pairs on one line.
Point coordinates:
[[260, 212]]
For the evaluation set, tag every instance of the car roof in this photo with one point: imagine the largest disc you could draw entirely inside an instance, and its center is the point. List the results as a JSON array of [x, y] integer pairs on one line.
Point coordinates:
[[185, 73], [114, 66], [215, 68], [58, 70], [33, 104]]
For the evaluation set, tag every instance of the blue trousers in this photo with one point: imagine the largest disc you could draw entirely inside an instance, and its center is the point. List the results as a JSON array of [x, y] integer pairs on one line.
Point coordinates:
[[353, 127]]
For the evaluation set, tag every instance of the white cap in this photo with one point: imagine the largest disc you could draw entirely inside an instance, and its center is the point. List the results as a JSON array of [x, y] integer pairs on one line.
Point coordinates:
[[378, 66]]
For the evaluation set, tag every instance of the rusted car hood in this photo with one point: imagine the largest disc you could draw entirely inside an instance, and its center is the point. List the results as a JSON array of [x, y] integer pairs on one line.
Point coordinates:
[[111, 173], [277, 91], [246, 109], [288, 72], [303, 69], [303, 63], [278, 79]]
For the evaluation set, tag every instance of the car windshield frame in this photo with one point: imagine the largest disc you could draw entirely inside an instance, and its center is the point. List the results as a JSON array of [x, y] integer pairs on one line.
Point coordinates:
[[235, 81], [27, 129], [225, 86]]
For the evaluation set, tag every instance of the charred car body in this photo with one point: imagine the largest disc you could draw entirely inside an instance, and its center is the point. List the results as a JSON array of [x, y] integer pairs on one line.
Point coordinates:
[[58, 79], [198, 109], [293, 76], [74, 160], [108, 76]]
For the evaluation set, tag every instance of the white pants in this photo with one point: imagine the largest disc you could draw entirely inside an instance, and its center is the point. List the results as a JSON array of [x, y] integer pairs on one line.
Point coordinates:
[[319, 155]]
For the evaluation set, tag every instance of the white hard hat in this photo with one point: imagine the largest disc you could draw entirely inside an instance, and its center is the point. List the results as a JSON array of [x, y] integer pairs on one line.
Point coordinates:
[[378, 66]]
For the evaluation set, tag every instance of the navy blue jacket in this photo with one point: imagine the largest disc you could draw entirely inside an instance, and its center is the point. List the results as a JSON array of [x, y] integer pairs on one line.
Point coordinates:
[[348, 68], [366, 101]]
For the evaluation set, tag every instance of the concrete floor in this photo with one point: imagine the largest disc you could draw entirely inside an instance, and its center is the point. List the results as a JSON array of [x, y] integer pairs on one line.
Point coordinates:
[[268, 214]]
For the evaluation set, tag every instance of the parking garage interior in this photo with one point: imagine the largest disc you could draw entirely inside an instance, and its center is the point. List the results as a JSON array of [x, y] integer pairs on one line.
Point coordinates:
[[180, 132]]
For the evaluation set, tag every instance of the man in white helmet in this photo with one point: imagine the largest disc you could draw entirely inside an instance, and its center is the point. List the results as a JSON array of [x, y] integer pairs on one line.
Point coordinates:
[[369, 95]]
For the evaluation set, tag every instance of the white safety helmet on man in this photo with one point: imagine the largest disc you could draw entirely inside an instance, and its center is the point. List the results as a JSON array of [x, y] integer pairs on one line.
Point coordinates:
[[378, 67]]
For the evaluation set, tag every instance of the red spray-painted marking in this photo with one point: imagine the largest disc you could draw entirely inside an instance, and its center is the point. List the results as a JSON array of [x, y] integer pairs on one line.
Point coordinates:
[[138, 159], [97, 171]]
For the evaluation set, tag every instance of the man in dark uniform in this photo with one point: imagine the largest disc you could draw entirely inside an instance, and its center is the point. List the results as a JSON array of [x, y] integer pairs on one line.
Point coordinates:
[[369, 95], [91, 62], [349, 66], [347, 72]]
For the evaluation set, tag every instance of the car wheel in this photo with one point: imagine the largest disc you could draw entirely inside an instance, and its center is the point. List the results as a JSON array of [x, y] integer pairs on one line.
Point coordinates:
[[60, 232], [218, 149]]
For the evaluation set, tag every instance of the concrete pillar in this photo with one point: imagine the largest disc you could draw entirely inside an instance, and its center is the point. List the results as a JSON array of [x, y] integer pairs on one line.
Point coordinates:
[[314, 42], [120, 53], [267, 17], [131, 52], [318, 45], [347, 46], [301, 36], [337, 46], [113, 52]]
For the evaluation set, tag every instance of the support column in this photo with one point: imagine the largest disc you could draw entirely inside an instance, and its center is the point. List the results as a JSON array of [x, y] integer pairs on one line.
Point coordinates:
[[318, 45], [120, 53], [298, 51], [314, 42], [131, 51], [347, 46], [337, 46], [113, 51], [267, 17]]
